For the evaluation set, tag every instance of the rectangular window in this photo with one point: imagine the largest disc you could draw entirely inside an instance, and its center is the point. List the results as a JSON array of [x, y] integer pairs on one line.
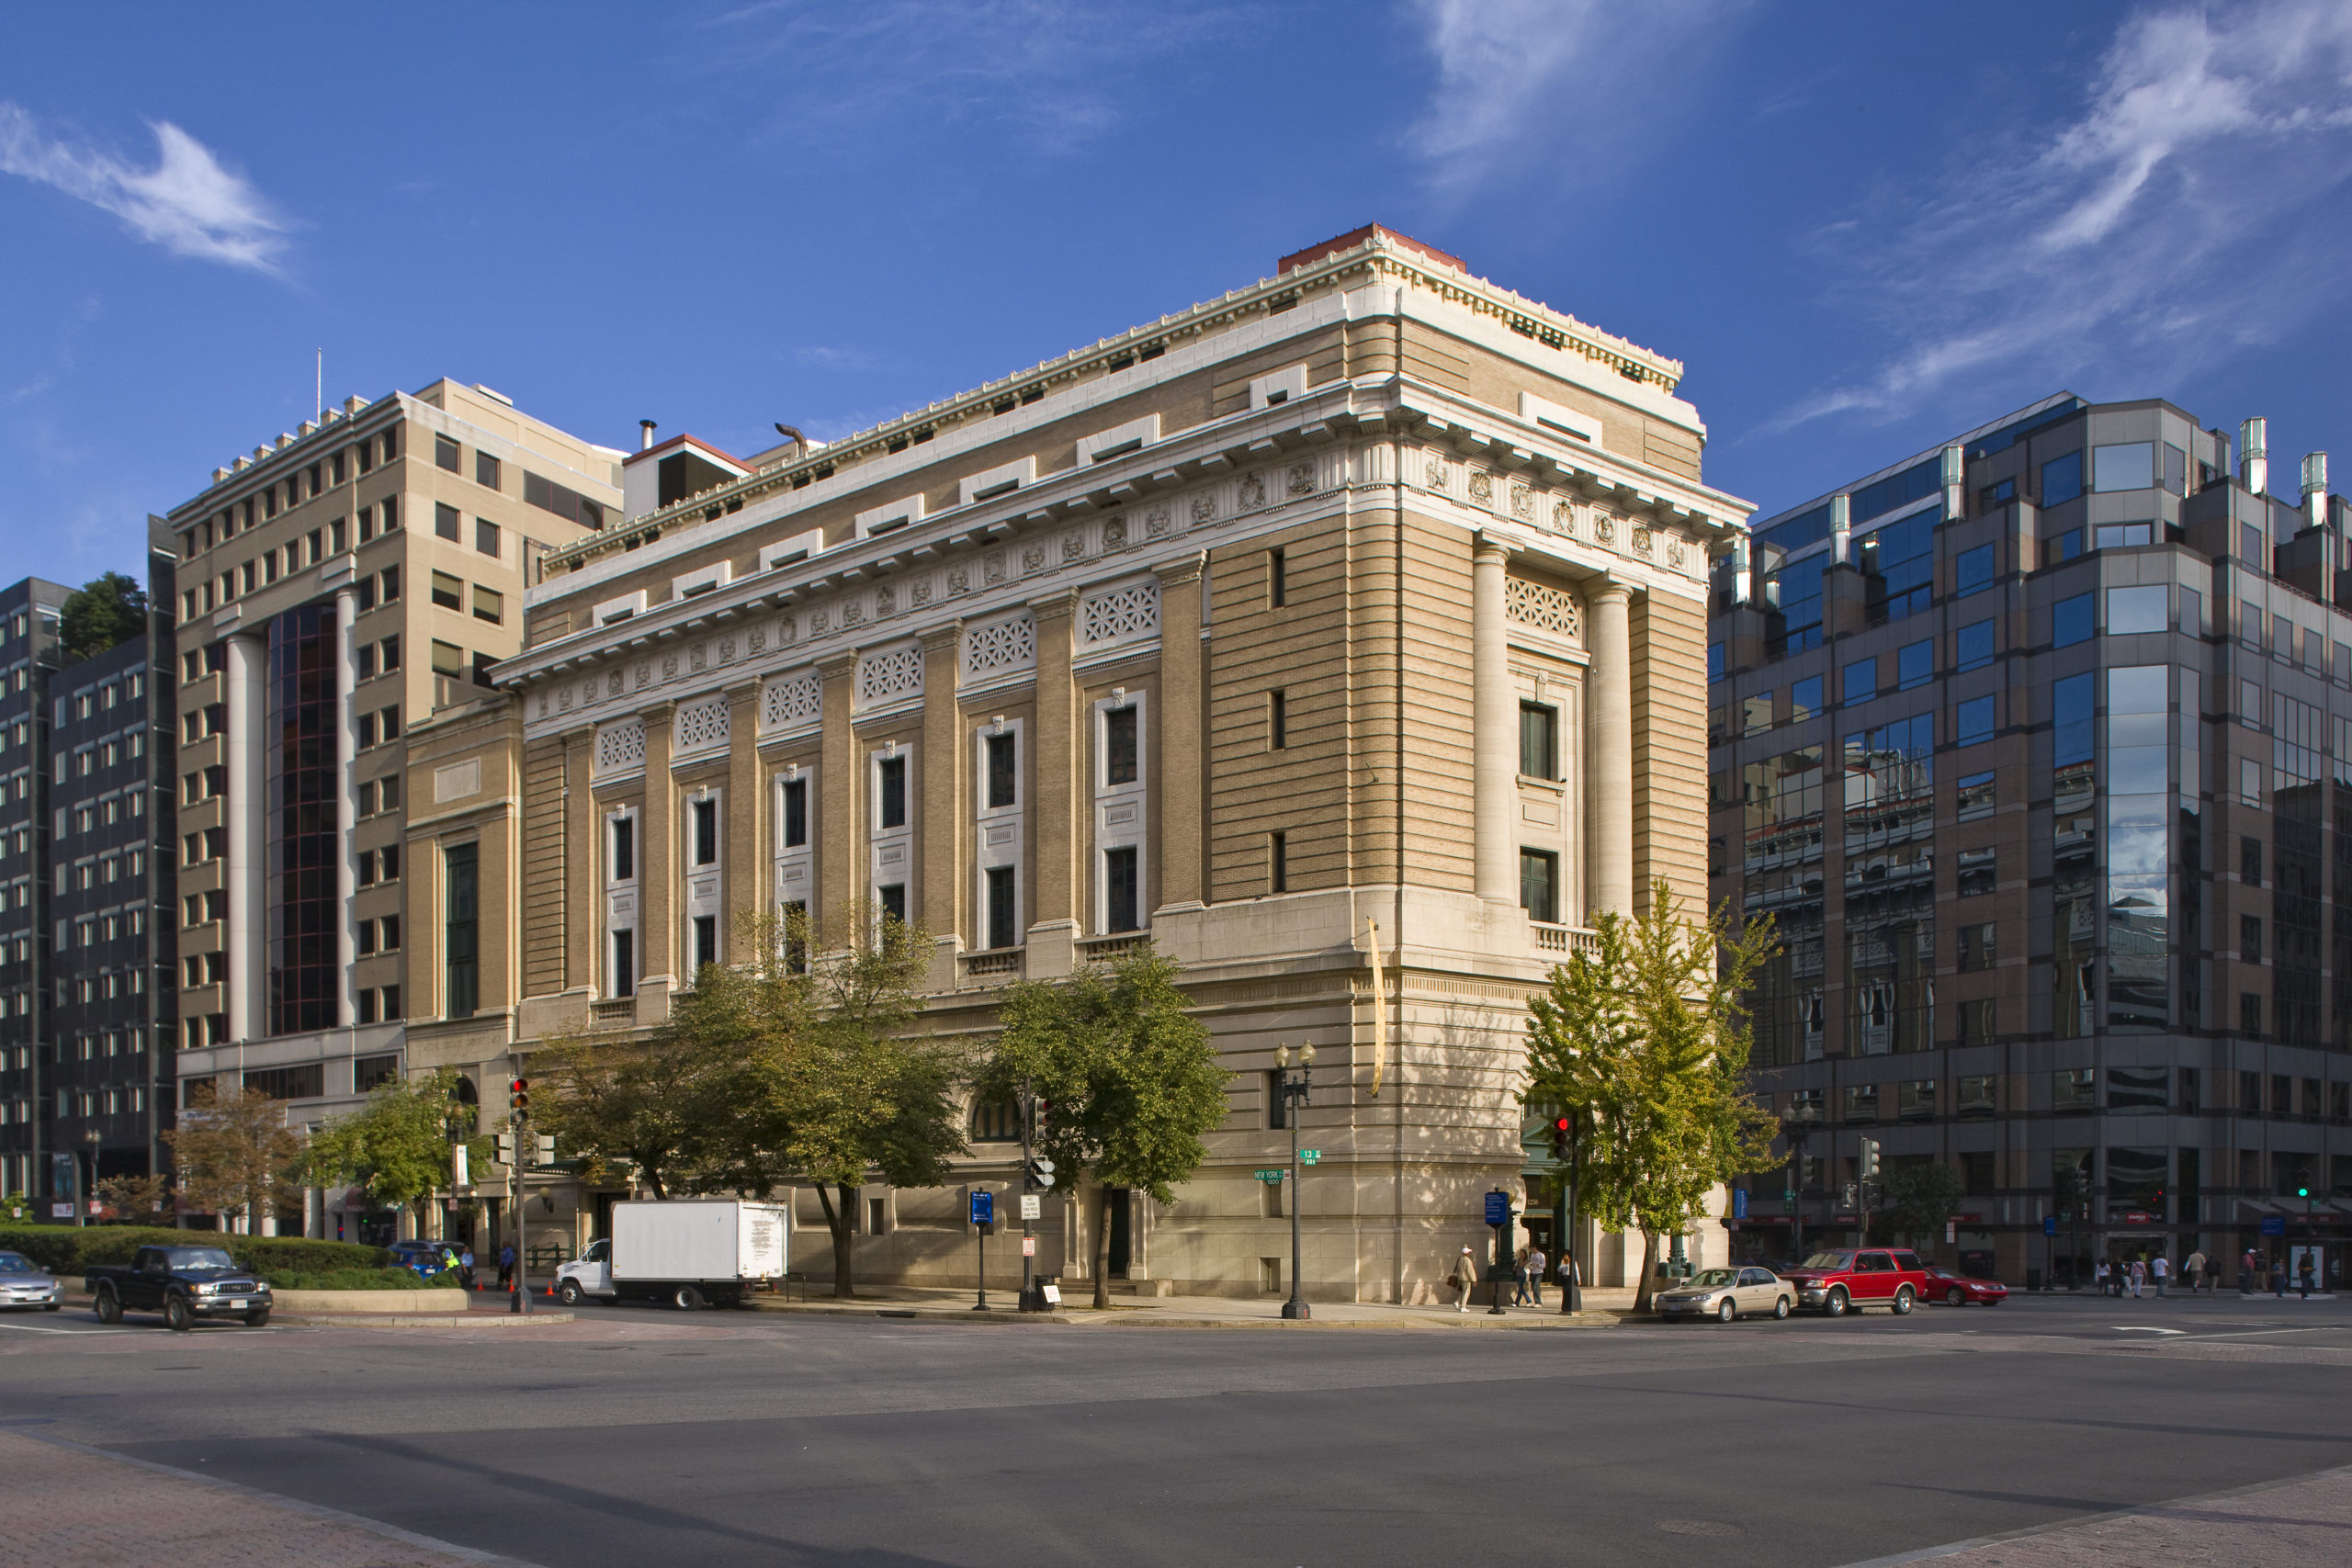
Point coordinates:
[[2071, 720], [2073, 1088], [2131, 465], [1975, 1097], [489, 606], [1805, 698], [1914, 665], [1120, 755], [705, 832], [1278, 862], [445, 522], [393, 1013], [624, 856], [892, 775], [366, 666], [1976, 797], [367, 594], [448, 659], [795, 813], [2144, 609], [1973, 569], [1277, 721], [894, 902], [1972, 646], [1538, 741], [1277, 584], [2250, 861], [1004, 906], [2061, 479], [1972, 721], [623, 975], [705, 941], [2249, 1013], [461, 959], [2250, 938], [1861, 681], [1978, 946], [1539, 882], [1002, 774], [485, 537], [2175, 473], [1980, 870], [449, 593], [445, 454], [1122, 892], [1996, 495], [485, 469]]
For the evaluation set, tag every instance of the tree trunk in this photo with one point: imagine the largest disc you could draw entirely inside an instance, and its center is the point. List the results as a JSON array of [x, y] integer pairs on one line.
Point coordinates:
[[837, 1221], [1102, 1246], [1649, 1271]]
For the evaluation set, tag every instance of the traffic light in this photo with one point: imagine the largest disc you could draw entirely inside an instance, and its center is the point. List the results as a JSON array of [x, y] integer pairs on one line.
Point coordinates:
[[1870, 1159], [1559, 1139], [1037, 1175], [519, 1097]]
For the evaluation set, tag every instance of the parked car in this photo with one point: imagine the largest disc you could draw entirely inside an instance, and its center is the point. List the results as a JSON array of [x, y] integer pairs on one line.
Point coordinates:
[[1963, 1289], [24, 1283], [1725, 1294], [1850, 1279], [427, 1258], [184, 1283]]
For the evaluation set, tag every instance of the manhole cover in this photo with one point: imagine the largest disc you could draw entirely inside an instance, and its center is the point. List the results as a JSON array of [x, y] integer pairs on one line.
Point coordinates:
[[1697, 1526]]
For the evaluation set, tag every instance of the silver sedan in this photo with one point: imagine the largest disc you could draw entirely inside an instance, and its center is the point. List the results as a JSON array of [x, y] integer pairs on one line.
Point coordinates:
[[1725, 1294], [24, 1283]]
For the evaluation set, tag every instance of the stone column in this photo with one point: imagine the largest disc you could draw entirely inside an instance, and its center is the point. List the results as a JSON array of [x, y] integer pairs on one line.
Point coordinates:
[[346, 809], [658, 858], [941, 771], [842, 881], [1057, 754], [585, 955], [1494, 726], [1182, 749], [749, 885], [247, 811], [1608, 718]]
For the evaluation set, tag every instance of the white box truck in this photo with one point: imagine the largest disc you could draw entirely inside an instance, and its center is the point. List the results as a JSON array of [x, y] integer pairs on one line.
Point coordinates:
[[690, 1252]]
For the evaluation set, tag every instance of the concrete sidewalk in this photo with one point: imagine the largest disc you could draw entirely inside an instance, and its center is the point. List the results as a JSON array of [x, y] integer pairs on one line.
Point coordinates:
[[1202, 1312]]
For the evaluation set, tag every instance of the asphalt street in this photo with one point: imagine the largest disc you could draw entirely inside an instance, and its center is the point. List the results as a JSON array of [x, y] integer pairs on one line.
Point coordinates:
[[640, 1435]]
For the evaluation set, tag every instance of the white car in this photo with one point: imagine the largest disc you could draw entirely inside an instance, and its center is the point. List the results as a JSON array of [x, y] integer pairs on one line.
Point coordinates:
[[24, 1283], [1725, 1294], [590, 1274]]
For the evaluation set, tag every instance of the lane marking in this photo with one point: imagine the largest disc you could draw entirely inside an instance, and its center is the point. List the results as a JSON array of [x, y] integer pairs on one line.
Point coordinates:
[[2136, 1328], [36, 1328]]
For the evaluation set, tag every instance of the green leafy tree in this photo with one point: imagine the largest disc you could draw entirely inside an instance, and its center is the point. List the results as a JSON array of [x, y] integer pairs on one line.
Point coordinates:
[[1128, 1080], [1919, 1199], [647, 1107], [138, 1199], [109, 610], [397, 1146], [1645, 1036], [232, 1151]]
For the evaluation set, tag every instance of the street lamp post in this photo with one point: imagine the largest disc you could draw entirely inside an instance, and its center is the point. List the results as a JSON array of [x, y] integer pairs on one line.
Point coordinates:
[[1294, 1088], [81, 1199]]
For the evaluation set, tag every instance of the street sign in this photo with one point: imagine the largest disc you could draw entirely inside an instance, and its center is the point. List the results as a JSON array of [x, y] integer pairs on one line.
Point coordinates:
[[1789, 1204], [1739, 1203], [1032, 1206], [1308, 1156], [65, 1211], [1272, 1175], [1951, 1233], [2274, 1224], [984, 1208], [1028, 1247], [2050, 1225], [1499, 1208]]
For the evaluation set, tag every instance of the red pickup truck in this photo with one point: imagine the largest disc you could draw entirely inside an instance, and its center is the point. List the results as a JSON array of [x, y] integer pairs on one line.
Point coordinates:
[[1851, 1278]]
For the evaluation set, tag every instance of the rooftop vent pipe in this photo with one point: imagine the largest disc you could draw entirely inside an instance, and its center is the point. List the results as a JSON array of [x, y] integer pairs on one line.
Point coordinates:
[[2314, 489], [645, 429], [2253, 455], [1955, 476], [1842, 529], [799, 442]]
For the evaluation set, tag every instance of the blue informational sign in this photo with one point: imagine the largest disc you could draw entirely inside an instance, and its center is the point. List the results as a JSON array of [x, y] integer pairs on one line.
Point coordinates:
[[984, 1208], [1739, 1203], [2050, 1225], [1499, 1208], [2274, 1224]]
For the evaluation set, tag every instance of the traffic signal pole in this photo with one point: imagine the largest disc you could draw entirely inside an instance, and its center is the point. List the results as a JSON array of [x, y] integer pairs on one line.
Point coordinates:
[[518, 1118]]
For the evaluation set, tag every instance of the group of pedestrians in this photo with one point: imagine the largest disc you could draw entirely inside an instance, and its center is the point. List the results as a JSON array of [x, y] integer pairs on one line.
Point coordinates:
[[1526, 1271], [2255, 1272]]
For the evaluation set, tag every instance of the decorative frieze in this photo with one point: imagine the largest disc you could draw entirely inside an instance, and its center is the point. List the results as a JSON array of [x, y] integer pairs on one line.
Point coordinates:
[[1543, 607], [791, 702], [1123, 614], [889, 675], [621, 748], [999, 647], [701, 727]]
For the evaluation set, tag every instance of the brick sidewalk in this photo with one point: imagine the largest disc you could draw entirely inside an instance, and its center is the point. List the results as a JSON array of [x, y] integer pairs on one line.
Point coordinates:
[[2283, 1526], [76, 1505]]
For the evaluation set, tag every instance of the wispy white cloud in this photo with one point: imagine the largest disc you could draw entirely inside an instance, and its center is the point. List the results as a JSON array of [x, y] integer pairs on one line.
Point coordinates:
[[1550, 85], [2191, 206], [186, 203]]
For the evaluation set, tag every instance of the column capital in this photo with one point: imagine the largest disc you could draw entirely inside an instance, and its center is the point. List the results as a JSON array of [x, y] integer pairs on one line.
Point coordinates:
[[1611, 589], [840, 663], [1059, 605], [1177, 574], [1486, 547], [946, 635]]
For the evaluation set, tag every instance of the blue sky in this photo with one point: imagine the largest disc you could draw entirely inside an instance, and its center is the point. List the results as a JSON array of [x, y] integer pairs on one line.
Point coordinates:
[[1862, 227]]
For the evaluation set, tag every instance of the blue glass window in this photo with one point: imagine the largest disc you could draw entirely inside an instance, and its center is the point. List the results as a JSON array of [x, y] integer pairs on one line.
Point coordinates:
[[1862, 681], [1973, 570], [1897, 489], [1914, 665], [2070, 719], [2000, 494], [1793, 592], [1972, 721], [2061, 479], [1714, 662], [1805, 698], [2070, 621], [2063, 547], [1898, 565], [1973, 646], [1795, 533]]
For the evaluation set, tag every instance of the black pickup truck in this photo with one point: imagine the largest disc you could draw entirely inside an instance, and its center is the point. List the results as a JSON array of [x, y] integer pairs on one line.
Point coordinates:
[[184, 1283]]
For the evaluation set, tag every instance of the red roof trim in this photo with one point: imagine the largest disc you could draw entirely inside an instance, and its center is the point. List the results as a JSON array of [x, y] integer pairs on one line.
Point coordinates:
[[699, 444], [1355, 237]]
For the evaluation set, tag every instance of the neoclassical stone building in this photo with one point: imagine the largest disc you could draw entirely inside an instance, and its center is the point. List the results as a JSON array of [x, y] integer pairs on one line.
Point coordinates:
[[1359, 614]]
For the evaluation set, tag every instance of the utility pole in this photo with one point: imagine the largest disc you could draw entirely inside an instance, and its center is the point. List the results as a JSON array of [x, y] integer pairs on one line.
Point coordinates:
[[1294, 1093]]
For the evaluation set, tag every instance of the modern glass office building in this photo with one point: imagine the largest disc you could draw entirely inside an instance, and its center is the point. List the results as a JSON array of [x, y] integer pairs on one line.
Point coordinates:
[[2037, 746]]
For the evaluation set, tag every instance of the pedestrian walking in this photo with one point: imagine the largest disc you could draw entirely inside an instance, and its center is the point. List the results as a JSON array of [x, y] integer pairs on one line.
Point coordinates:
[[2099, 1277], [2194, 1267], [2139, 1276], [506, 1267], [1536, 1261], [466, 1268], [2249, 1272], [2157, 1270], [2279, 1278], [2303, 1275], [1464, 1276], [1569, 1275], [1519, 1279]]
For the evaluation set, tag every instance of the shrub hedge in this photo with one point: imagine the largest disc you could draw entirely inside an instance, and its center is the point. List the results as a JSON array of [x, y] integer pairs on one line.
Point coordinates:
[[65, 1249], [354, 1280]]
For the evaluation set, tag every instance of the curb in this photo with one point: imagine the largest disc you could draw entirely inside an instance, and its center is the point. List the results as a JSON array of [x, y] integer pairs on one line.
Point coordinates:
[[926, 1313], [416, 1320]]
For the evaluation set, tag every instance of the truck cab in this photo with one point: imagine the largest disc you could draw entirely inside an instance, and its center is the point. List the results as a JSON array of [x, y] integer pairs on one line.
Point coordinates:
[[590, 1274]]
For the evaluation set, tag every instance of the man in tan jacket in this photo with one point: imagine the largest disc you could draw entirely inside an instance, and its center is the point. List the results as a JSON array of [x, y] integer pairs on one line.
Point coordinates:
[[1466, 1277]]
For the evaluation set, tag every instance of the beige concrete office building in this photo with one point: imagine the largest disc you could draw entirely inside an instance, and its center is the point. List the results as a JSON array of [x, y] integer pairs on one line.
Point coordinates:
[[1359, 612], [334, 587]]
